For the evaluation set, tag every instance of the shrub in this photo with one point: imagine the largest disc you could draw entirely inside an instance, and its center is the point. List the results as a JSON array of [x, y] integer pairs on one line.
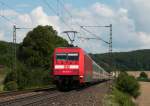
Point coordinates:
[[22, 76], [19, 76], [127, 84], [11, 86], [143, 75], [28, 78], [11, 76]]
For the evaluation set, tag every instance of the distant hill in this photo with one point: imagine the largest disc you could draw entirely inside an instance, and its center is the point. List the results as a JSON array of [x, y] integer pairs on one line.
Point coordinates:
[[133, 60]]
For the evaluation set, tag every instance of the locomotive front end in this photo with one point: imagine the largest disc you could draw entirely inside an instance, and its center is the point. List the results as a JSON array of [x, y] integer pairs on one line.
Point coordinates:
[[66, 67]]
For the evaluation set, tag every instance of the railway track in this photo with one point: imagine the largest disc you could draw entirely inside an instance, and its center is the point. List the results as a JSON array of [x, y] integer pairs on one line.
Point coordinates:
[[11, 93], [18, 98], [39, 98], [35, 100]]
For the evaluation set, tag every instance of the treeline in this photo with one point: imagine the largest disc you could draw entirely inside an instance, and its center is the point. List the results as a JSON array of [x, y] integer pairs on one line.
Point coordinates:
[[130, 61], [34, 56]]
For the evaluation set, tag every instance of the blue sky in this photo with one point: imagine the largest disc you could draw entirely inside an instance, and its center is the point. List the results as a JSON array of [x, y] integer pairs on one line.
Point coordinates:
[[130, 19], [27, 5]]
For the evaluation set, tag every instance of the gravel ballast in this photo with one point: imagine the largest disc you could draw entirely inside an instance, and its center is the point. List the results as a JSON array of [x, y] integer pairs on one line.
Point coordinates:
[[91, 96]]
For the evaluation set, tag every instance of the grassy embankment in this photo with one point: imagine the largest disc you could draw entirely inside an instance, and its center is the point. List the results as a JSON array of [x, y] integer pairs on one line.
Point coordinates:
[[118, 98]]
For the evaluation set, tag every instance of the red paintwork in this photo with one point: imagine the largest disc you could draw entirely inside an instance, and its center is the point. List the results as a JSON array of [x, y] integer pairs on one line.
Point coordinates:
[[65, 71], [87, 68]]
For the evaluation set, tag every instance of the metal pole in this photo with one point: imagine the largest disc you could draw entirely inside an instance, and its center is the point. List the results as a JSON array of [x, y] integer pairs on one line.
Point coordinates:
[[110, 54], [110, 40], [14, 48]]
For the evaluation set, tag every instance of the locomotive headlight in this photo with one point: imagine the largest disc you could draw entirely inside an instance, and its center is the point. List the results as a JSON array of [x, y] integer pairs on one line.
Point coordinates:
[[59, 66], [74, 67], [81, 76]]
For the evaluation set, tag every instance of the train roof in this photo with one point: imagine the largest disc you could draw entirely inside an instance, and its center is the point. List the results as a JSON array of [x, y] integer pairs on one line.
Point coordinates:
[[68, 47]]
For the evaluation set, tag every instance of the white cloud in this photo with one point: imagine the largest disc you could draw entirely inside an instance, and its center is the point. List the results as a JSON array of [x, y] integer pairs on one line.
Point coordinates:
[[144, 38], [1, 35], [36, 17], [41, 18], [9, 13], [102, 10], [139, 12]]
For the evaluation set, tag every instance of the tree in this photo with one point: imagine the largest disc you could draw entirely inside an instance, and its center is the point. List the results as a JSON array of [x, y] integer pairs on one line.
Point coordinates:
[[37, 47]]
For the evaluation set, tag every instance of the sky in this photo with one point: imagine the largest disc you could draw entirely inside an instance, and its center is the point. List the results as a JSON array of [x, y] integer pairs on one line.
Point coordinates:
[[130, 21]]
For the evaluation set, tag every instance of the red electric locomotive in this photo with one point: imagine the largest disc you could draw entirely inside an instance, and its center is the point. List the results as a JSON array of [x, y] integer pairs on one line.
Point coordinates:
[[71, 66]]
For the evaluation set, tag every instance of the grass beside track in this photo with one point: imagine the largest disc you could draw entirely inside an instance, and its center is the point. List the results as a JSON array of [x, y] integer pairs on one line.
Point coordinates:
[[117, 98]]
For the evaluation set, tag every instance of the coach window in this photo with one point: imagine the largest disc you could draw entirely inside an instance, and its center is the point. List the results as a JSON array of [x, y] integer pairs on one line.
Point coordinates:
[[61, 56], [73, 56]]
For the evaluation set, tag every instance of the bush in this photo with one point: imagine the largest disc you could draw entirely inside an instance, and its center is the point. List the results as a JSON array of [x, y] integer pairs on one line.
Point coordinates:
[[11, 76], [22, 77], [28, 78], [143, 75], [11, 86], [19, 76], [127, 84]]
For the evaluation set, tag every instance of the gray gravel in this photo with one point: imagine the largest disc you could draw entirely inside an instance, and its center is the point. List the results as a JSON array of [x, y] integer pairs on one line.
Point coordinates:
[[91, 96]]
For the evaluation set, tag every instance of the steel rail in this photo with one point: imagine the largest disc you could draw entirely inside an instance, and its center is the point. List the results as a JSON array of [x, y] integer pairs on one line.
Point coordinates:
[[10, 93], [30, 98]]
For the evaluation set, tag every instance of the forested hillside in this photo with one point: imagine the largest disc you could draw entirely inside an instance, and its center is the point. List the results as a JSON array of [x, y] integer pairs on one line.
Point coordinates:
[[132, 61]]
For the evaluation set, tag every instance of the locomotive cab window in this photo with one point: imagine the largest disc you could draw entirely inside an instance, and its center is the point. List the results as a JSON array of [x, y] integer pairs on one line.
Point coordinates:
[[61, 56], [73, 56], [67, 56]]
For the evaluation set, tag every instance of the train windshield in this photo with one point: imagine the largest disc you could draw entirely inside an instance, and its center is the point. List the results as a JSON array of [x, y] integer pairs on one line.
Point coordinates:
[[67, 56], [61, 56], [73, 56]]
